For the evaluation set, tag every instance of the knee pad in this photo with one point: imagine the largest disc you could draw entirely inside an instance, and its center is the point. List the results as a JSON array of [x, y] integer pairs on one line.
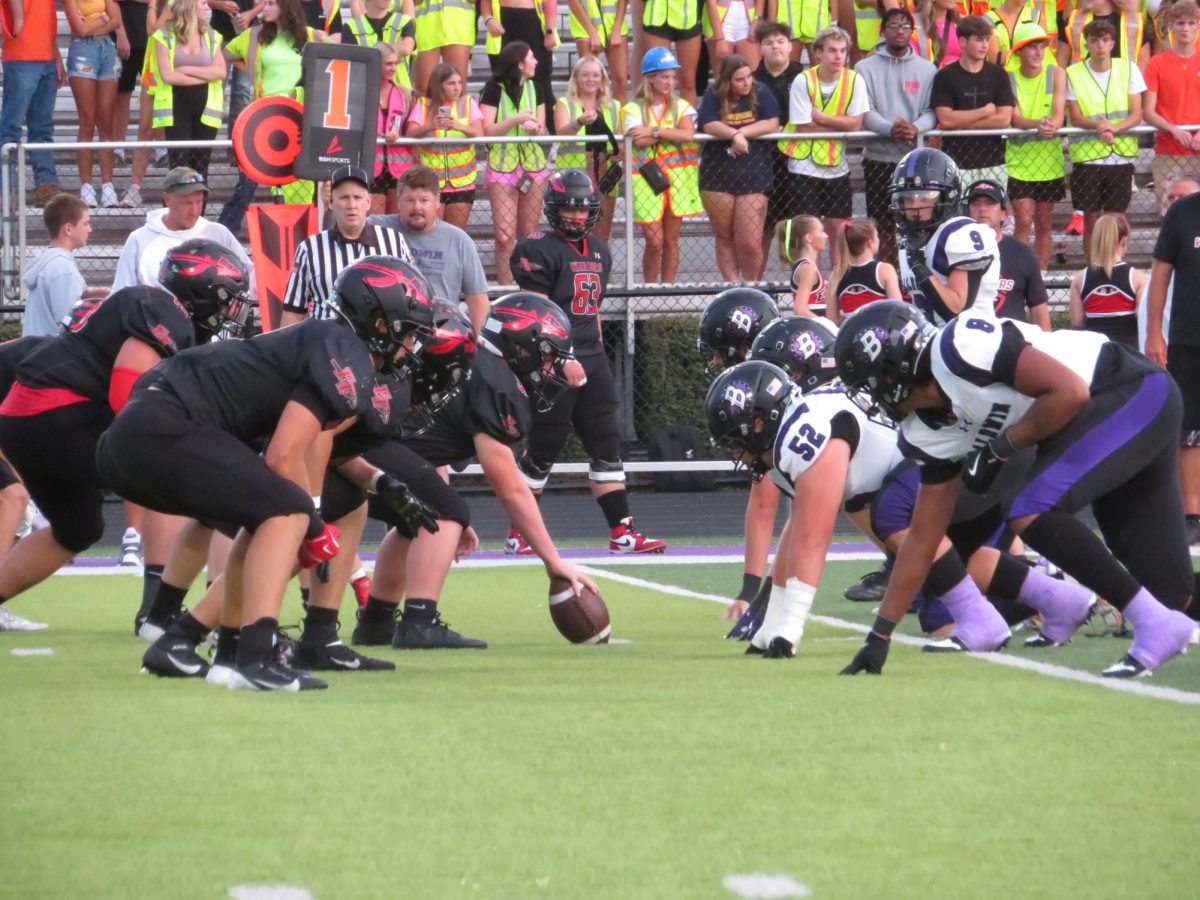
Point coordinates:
[[603, 471], [535, 474]]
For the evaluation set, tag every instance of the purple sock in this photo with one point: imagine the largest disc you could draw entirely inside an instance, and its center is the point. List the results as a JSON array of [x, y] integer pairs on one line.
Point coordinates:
[[1063, 604], [976, 622], [1158, 633]]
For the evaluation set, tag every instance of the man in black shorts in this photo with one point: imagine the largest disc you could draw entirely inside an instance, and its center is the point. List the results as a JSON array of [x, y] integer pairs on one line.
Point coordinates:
[[571, 267]]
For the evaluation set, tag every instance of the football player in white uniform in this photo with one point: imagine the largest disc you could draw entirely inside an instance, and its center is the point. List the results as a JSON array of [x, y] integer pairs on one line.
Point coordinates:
[[950, 262], [1102, 420]]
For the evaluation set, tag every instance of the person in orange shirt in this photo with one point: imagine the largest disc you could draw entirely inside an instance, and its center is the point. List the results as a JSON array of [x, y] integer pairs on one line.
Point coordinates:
[[33, 72], [1172, 96]]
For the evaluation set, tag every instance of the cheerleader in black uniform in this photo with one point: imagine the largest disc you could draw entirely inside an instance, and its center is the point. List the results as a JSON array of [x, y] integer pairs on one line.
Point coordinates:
[[1105, 296], [860, 277]]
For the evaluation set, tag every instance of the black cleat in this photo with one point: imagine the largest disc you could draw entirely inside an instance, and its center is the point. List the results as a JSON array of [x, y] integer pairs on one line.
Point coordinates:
[[318, 656], [780, 648], [374, 632], [432, 634], [270, 676], [172, 656], [751, 650], [872, 586], [1126, 667]]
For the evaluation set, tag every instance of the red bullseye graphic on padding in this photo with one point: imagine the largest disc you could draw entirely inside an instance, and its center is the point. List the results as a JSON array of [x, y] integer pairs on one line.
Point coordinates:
[[266, 139]]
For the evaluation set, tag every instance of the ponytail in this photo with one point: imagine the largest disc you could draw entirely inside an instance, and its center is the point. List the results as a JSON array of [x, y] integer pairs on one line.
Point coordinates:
[[852, 240], [1108, 232], [791, 234]]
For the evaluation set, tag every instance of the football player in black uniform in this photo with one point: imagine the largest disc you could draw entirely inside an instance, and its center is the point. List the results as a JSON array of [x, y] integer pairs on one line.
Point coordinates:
[[571, 267], [293, 388], [524, 346]]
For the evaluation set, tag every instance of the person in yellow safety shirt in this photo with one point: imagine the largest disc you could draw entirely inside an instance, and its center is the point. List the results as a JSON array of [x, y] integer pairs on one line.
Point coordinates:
[[662, 127], [601, 26], [1105, 95], [388, 21], [531, 21], [866, 16], [728, 27], [667, 22], [806, 18], [1006, 19], [1036, 170], [445, 33], [1132, 42]]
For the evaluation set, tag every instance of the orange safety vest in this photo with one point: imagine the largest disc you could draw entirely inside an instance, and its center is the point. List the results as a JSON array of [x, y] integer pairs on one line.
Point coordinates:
[[454, 163], [1130, 35], [826, 152]]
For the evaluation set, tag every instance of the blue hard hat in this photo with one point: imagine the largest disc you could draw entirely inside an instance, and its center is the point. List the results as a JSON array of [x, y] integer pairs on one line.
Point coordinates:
[[658, 59]]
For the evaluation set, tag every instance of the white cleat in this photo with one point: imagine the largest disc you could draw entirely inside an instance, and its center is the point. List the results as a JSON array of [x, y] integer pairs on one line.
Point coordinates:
[[10, 621]]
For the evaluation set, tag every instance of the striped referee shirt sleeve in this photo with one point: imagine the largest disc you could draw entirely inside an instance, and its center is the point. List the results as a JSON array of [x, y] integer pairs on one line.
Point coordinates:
[[295, 297]]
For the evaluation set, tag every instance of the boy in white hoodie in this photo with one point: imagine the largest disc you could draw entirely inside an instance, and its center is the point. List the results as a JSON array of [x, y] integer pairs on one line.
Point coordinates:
[[53, 283]]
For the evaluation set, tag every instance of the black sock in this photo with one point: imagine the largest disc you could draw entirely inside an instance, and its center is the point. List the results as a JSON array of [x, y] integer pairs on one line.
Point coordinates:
[[615, 506], [417, 610], [1005, 587], [167, 603], [187, 626], [151, 579], [764, 594], [1074, 548], [378, 610], [227, 644], [304, 597], [319, 624], [256, 641]]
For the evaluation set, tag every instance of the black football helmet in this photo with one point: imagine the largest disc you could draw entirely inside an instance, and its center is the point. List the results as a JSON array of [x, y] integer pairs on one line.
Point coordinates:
[[745, 407], [445, 362], [800, 345], [729, 325], [212, 283], [384, 299], [881, 352], [571, 189], [533, 335], [927, 179]]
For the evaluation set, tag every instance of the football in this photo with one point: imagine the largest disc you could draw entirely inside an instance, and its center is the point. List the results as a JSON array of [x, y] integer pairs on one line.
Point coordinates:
[[581, 619]]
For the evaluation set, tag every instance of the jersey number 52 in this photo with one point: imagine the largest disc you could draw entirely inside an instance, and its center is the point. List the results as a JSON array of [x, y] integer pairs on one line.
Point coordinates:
[[587, 295]]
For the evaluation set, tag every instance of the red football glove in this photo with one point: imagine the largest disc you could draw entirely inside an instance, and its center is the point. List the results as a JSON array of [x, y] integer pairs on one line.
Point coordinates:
[[319, 549]]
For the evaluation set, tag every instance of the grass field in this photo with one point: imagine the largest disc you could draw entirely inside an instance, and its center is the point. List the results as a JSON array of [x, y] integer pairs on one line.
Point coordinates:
[[654, 768]]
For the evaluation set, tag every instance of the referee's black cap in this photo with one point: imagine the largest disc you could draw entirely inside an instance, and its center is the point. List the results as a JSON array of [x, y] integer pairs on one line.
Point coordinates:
[[349, 173]]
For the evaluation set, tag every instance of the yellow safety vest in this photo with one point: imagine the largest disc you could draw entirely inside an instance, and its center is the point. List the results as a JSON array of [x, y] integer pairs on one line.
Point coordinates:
[[1034, 13], [668, 155], [1032, 158], [505, 157], [254, 64], [722, 12], [443, 22], [1129, 39], [164, 94], [1113, 104], [805, 17], [575, 156], [866, 26], [603, 16], [679, 14], [454, 163], [823, 152], [393, 28]]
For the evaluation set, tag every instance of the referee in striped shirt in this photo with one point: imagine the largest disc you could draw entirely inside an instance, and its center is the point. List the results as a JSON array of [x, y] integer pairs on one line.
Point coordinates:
[[321, 258]]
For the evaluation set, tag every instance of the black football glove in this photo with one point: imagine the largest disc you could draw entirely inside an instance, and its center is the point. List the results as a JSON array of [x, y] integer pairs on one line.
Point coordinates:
[[411, 512], [870, 657], [981, 467]]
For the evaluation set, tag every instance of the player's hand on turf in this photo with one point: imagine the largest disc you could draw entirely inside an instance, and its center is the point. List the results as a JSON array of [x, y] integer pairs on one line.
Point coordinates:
[[319, 549], [414, 514], [870, 656], [735, 609], [468, 543], [981, 467], [564, 569]]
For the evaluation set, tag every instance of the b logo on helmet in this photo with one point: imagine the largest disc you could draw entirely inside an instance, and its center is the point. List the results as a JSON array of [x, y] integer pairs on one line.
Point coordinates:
[[737, 396], [870, 344], [805, 345], [742, 319]]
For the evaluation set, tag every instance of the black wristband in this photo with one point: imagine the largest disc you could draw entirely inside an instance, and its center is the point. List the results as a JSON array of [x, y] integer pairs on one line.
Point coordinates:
[[1002, 445], [883, 627], [750, 586]]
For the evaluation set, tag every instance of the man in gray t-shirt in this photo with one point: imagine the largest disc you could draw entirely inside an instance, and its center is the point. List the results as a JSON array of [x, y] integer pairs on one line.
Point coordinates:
[[445, 254]]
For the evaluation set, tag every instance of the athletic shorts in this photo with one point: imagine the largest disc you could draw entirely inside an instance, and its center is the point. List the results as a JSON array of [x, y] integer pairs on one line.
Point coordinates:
[[422, 479], [784, 200], [385, 181], [830, 198], [591, 409], [466, 195], [93, 58], [1183, 362], [1102, 188], [130, 70], [1039, 191], [513, 178], [667, 33]]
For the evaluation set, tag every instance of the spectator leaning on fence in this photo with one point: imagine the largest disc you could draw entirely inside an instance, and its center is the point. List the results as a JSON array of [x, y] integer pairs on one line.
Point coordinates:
[[1104, 95], [1172, 96], [390, 161], [666, 187], [736, 170], [601, 26], [1021, 293], [92, 71], [776, 73], [589, 108], [1036, 170], [447, 110], [1105, 295], [53, 283], [898, 83]]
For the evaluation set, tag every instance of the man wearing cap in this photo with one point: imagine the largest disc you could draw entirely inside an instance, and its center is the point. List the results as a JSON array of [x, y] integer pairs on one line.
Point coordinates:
[[1022, 293], [321, 258], [1036, 169], [184, 196]]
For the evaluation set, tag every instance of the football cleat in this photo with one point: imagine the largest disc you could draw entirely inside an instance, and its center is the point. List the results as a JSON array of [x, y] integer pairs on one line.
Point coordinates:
[[374, 632], [514, 544], [362, 589], [780, 648], [148, 631], [10, 621], [319, 656], [625, 538], [171, 656], [131, 548], [872, 586], [953, 644], [432, 634], [1154, 644], [1126, 667], [271, 676], [219, 674]]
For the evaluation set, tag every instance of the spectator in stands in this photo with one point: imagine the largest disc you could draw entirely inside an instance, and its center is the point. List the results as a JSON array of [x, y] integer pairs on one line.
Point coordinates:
[[1172, 98], [936, 36], [735, 177], [321, 15], [1104, 95], [445, 35], [190, 99], [390, 21], [1130, 40], [33, 71], [446, 255], [92, 71], [589, 108], [1007, 19], [667, 22], [136, 37], [53, 283], [1036, 171], [801, 241], [1022, 292], [595, 30], [1105, 295], [512, 106], [776, 73], [390, 162], [230, 18], [974, 94], [827, 98], [132, 197], [533, 22], [445, 110], [898, 85], [804, 18], [728, 27], [860, 277], [666, 188], [184, 196], [863, 19]]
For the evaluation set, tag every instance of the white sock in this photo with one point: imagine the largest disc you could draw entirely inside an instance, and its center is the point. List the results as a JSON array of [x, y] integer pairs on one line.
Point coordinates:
[[762, 637], [797, 601]]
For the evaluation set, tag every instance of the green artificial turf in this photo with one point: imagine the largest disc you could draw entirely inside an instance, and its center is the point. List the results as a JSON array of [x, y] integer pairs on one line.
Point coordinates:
[[652, 769]]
